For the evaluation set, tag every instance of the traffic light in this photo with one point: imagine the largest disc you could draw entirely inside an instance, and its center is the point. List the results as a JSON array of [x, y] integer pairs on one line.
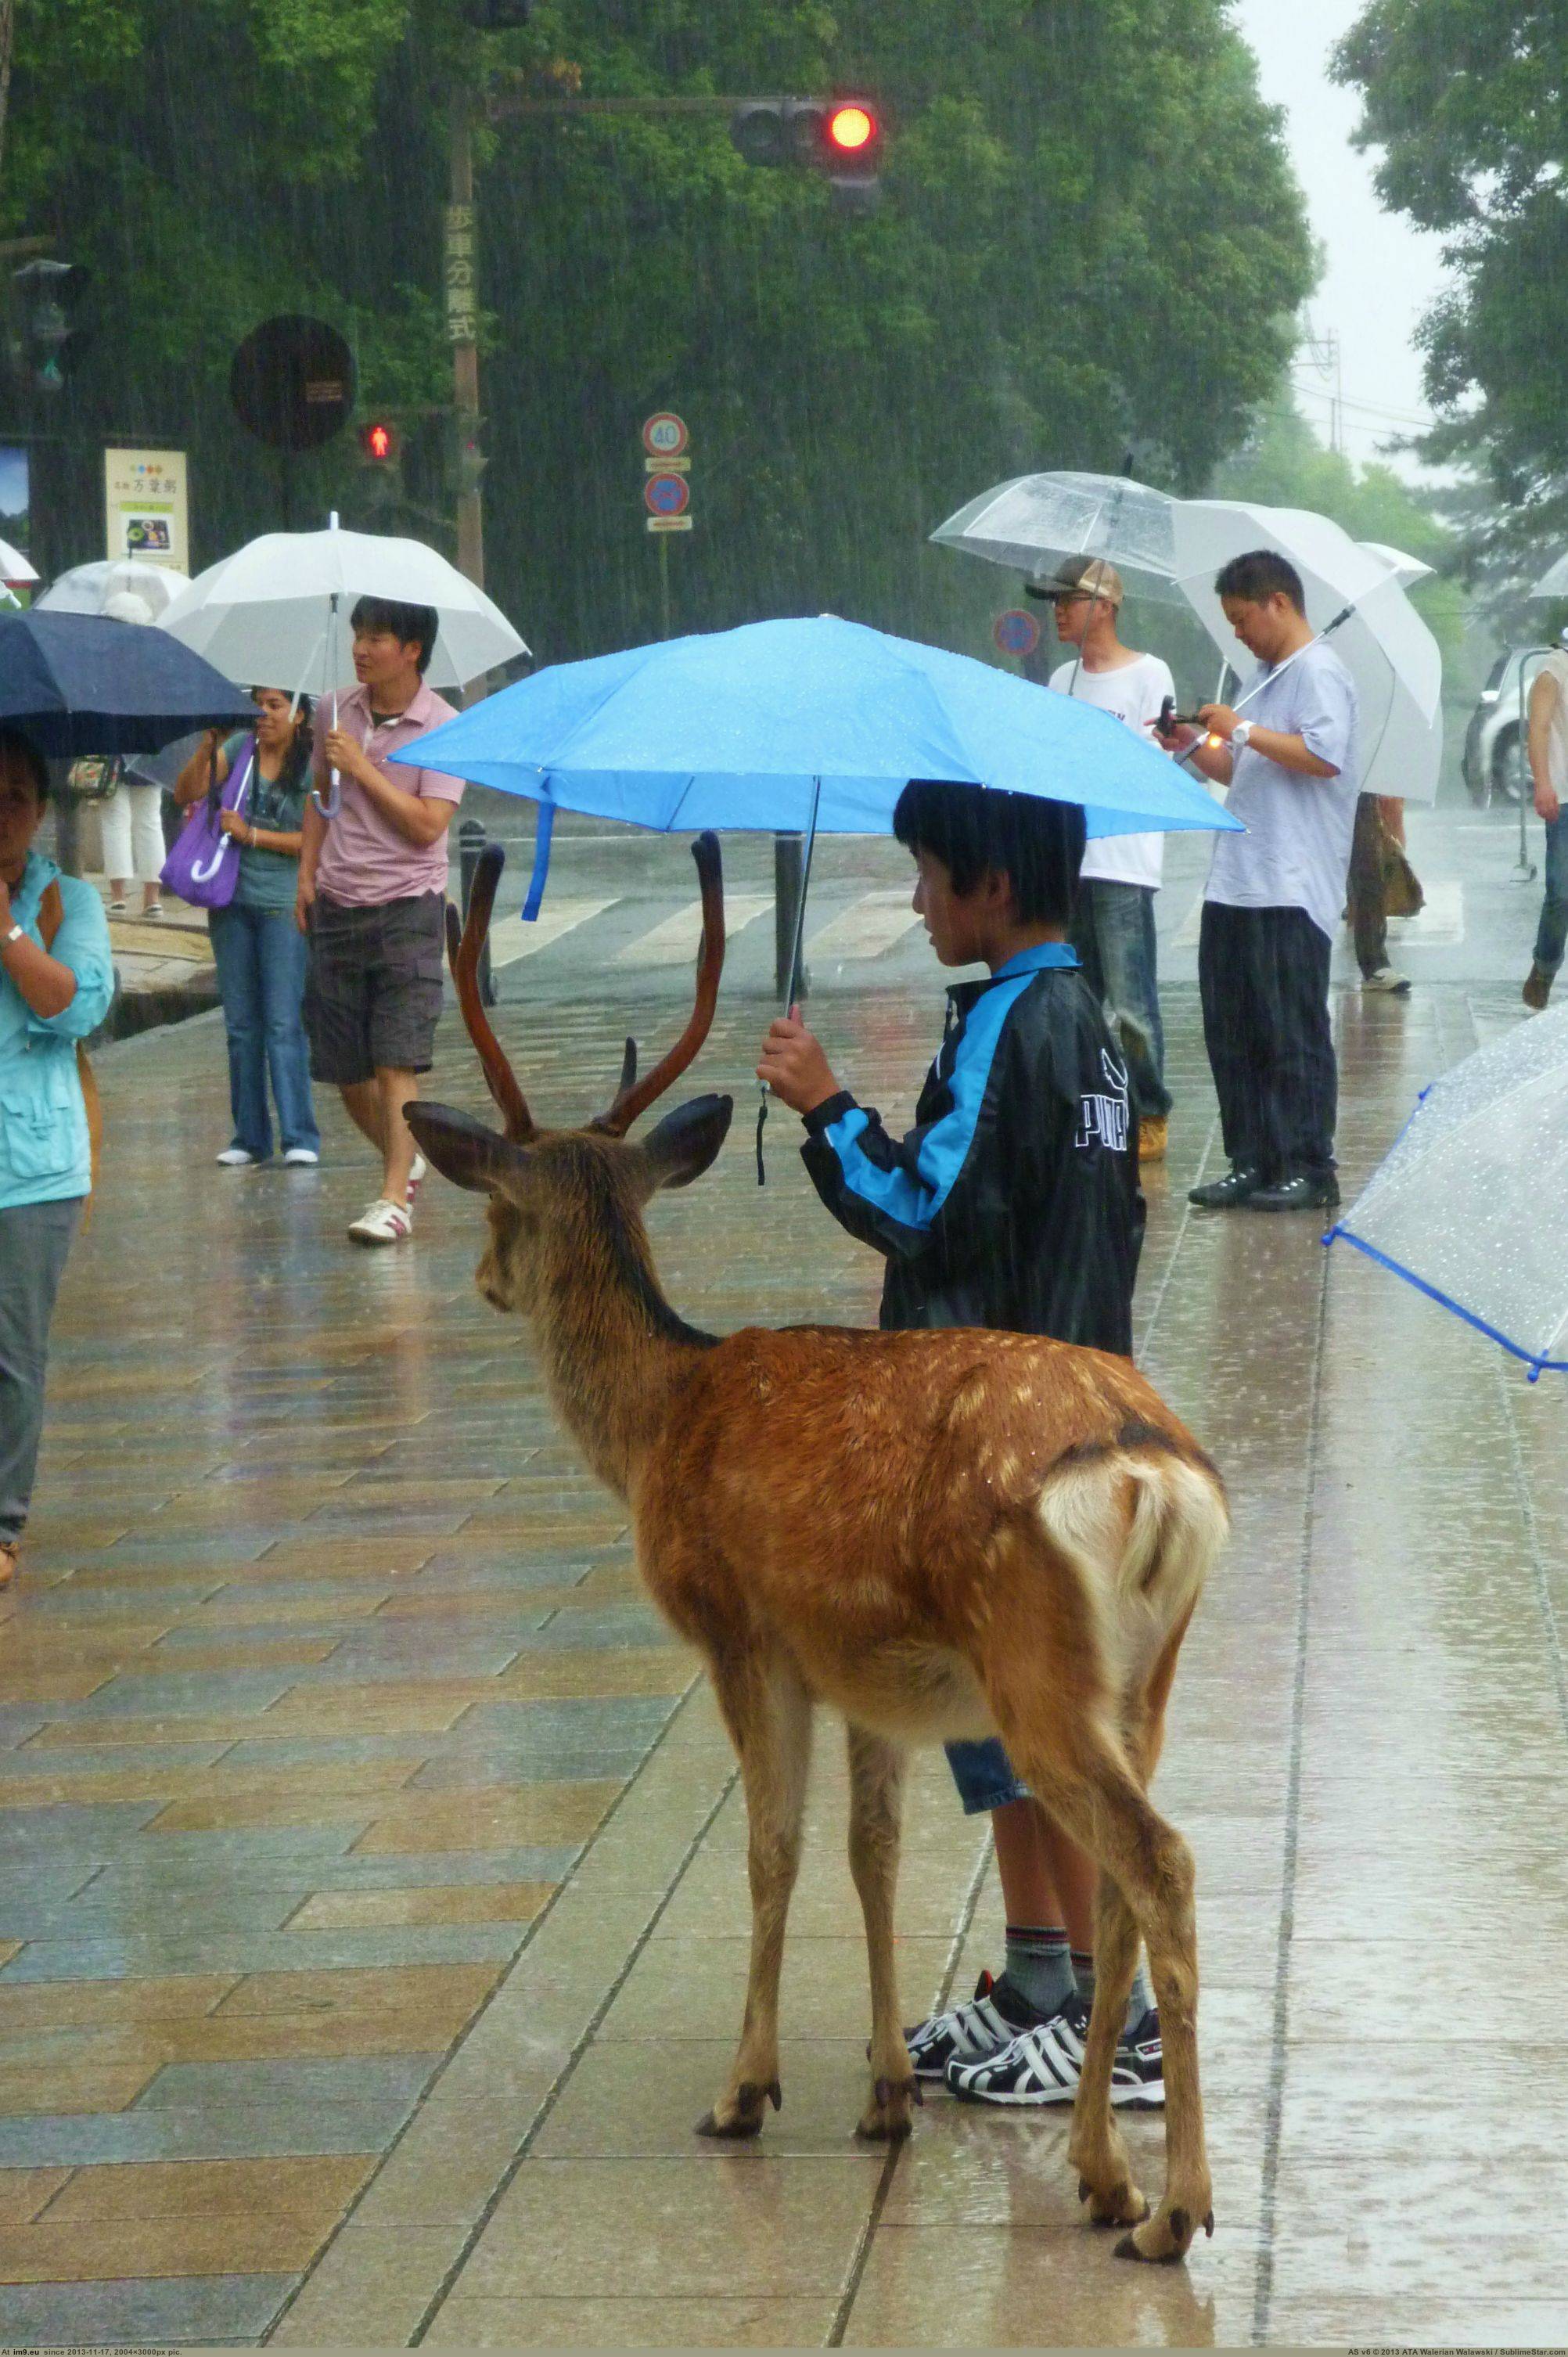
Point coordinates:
[[49, 293], [380, 444], [842, 138]]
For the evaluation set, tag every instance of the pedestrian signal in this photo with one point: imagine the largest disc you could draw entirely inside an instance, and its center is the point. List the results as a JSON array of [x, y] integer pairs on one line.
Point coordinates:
[[378, 443]]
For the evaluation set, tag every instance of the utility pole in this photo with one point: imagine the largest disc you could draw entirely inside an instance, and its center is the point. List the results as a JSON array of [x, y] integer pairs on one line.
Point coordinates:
[[461, 265]]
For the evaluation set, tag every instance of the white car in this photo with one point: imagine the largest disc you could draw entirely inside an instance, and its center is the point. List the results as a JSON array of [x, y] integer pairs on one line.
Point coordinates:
[[1494, 763]]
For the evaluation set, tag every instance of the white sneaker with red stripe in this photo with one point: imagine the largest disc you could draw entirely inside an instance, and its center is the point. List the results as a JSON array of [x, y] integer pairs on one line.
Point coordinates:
[[419, 1171], [382, 1224]]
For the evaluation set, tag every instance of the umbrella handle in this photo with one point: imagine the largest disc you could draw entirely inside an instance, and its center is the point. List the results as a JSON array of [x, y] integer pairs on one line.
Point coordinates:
[[334, 803]]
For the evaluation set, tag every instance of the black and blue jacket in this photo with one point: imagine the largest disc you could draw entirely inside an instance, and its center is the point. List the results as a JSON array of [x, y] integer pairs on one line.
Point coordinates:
[[1013, 1203]]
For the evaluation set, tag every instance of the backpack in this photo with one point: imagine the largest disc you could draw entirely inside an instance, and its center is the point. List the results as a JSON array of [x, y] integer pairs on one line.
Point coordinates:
[[52, 914]]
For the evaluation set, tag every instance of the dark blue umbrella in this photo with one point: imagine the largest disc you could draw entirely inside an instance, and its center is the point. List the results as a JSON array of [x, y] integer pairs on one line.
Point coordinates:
[[77, 683]]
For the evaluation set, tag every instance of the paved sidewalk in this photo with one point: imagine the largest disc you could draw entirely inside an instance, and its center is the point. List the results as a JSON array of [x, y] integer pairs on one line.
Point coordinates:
[[371, 1883]]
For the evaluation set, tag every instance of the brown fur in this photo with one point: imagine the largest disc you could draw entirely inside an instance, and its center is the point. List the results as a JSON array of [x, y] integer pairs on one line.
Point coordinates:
[[939, 1535]]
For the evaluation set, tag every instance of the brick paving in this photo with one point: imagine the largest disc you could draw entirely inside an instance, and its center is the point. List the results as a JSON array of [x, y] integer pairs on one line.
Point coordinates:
[[371, 1887]]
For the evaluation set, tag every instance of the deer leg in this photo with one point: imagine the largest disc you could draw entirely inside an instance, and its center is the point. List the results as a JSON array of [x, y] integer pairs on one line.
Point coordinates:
[[769, 1717], [1095, 2149], [875, 1808]]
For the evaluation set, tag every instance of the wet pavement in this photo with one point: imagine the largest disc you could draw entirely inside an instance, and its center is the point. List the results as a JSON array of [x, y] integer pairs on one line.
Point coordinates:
[[372, 1869]]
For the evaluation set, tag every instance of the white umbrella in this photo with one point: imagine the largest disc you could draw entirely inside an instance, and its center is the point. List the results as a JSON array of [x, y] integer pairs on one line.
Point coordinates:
[[1468, 1207], [14, 566], [1387, 649], [1032, 522], [275, 613], [87, 588], [1406, 570]]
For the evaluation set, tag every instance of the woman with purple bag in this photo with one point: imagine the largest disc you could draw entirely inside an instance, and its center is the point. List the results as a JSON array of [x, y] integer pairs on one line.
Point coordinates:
[[240, 859]]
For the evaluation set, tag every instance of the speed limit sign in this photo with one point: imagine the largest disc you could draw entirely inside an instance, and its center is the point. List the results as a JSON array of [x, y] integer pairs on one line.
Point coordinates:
[[664, 434]]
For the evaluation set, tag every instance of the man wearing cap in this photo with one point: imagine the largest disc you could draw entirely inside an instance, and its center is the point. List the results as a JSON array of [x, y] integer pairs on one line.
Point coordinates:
[[1113, 913]]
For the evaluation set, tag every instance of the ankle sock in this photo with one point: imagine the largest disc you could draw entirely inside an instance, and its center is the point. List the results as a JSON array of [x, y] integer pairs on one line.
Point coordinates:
[[1039, 1965], [1140, 1999]]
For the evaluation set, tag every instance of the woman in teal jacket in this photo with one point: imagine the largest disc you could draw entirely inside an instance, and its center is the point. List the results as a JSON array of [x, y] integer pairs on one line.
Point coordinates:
[[49, 998]]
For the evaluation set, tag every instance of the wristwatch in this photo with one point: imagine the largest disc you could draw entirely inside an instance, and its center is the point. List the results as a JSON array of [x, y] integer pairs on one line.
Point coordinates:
[[15, 934], [1240, 736]]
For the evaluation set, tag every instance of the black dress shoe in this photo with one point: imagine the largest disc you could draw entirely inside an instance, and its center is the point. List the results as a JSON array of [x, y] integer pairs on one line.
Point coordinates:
[[1318, 1192], [1238, 1186]]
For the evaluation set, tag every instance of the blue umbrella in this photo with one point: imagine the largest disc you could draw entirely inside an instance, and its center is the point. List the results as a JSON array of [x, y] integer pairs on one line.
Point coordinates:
[[77, 683]]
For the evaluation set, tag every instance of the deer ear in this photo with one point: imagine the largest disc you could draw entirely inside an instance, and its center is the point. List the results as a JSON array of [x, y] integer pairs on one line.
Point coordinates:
[[687, 1141], [463, 1149]]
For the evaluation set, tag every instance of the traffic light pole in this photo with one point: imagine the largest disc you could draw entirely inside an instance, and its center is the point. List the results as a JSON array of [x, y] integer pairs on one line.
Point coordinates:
[[462, 328]]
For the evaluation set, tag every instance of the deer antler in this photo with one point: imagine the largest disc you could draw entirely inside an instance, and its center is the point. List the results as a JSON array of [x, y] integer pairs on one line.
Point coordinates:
[[464, 944], [634, 1096]]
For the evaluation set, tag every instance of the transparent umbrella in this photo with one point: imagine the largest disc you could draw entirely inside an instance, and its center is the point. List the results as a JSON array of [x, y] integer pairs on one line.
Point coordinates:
[[1468, 1206], [1032, 522], [87, 588]]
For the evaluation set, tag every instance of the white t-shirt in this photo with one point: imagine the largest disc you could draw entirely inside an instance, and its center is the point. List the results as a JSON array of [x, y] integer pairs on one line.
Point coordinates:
[[1296, 848], [1133, 693]]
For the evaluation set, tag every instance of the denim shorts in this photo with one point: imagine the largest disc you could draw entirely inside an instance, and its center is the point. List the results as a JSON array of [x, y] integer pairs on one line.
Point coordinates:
[[984, 1774]]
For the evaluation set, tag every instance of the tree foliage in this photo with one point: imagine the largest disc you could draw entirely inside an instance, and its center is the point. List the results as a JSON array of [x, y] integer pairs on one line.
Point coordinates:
[[1060, 229], [1469, 107]]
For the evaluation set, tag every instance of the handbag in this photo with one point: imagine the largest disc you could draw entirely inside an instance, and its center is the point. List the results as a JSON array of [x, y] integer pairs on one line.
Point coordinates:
[[204, 865], [1402, 895], [95, 777]]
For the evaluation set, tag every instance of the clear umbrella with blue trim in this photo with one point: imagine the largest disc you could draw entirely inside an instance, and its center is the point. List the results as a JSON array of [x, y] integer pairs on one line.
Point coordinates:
[[1467, 1206]]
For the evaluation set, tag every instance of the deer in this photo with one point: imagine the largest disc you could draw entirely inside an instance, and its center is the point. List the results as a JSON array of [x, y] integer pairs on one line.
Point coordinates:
[[936, 1534]]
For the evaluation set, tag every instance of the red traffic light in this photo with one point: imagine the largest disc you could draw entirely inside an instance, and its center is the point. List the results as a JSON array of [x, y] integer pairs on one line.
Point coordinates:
[[379, 442], [851, 129]]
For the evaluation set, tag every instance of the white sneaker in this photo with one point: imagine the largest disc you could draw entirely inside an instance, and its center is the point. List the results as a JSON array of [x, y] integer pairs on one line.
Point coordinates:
[[234, 1158], [382, 1224], [419, 1169], [301, 1157], [1396, 986]]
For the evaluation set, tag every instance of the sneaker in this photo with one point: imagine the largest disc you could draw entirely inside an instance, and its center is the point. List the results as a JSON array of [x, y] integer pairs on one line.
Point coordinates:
[[1309, 1192], [1537, 989], [382, 1224], [235, 1158], [1153, 1134], [301, 1157], [154, 915], [1042, 2066], [968, 2033], [117, 907], [1385, 978], [419, 1169], [1225, 1194]]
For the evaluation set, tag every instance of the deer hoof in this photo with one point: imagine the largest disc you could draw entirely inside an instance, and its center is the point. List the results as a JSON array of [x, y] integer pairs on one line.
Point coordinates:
[[740, 2114], [1114, 2205], [887, 2121], [1162, 2240]]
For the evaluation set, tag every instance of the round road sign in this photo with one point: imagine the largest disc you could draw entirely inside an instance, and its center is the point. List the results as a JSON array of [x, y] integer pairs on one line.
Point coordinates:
[[292, 383], [664, 434], [1016, 632], [667, 495]]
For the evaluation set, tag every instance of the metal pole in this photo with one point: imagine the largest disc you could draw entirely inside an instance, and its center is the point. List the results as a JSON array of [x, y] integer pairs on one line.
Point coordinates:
[[470, 843], [788, 896], [466, 357], [663, 585]]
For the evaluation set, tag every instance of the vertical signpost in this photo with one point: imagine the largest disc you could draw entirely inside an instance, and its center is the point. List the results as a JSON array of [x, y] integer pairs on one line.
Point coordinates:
[[666, 492]]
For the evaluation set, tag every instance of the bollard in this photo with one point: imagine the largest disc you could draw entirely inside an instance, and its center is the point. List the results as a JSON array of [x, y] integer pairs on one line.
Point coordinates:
[[788, 883], [470, 843]]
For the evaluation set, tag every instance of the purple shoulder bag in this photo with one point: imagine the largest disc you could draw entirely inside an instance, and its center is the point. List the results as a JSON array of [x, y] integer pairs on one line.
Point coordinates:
[[204, 865]]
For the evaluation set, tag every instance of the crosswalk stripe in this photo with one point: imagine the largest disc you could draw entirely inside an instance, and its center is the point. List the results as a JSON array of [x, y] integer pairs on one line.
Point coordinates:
[[866, 928], [1441, 924], [673, 942], [511, 938]]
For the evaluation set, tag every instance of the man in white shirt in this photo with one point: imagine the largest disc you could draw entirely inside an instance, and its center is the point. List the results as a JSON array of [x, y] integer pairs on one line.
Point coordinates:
[[1114, 912], [1274, 895]]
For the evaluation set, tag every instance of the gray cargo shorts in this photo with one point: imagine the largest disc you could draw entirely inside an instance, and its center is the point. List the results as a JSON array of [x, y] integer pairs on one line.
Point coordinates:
[[372, 992]]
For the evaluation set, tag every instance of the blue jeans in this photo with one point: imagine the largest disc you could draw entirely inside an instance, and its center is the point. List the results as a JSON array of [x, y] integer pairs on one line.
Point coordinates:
[[1553, 932], [1113, 932], [984, 1774], [261, 955]]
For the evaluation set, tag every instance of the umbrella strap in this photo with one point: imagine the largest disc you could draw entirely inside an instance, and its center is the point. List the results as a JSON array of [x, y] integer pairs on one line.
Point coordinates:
[[541, 838]]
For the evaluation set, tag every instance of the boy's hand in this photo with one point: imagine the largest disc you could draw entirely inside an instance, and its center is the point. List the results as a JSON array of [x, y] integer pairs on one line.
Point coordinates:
[[794, 1066]]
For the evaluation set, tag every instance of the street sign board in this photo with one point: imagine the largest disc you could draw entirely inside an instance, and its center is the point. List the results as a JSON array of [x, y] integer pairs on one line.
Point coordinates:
[[667, 466], [670, 523], [145, 513], [664, 434], [667, 495], [1016, 632], [292, 383]]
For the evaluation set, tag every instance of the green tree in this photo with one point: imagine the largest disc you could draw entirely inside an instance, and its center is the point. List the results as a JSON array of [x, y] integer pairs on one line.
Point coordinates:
[[1033, 291], [1469, 107]]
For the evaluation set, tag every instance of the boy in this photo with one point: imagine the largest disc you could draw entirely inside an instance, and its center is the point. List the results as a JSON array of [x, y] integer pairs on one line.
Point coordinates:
[[372, 897], [1013, 1203]]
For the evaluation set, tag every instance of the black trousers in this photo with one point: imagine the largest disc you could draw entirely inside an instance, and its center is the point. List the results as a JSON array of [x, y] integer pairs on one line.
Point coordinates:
[[1263, 977]]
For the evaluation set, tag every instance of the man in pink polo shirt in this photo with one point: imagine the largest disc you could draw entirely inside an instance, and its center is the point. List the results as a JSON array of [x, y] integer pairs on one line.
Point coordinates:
[[372, 897]]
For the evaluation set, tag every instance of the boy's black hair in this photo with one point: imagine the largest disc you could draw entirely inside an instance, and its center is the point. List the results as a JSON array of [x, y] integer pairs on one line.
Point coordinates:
[[410, 624], [1259, 576], [1036, 845], [16, 746]]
